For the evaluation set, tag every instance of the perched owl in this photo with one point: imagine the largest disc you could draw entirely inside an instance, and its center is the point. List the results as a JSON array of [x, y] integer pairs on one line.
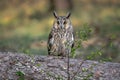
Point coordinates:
[[61, 38]]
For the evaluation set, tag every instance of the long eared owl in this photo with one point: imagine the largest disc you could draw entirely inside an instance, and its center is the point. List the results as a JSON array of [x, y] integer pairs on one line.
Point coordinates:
[[61, 38]]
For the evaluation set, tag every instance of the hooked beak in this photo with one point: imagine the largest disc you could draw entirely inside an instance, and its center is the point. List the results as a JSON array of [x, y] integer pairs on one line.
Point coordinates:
[[62, 26]]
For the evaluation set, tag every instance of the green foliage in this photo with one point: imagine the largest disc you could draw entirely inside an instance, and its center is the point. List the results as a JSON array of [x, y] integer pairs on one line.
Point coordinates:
[[21, 75], [88, 76], [94, 54], [84, 70], [82, 35], [97, 53], [38, 64], [106, 59], [84, 32]]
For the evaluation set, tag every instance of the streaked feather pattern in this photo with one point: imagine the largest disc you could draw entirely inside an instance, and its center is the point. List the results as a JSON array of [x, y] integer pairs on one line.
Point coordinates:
[[61, 38]]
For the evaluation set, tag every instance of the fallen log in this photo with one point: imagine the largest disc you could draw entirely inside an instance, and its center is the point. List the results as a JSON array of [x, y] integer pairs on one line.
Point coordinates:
[[17, 66]]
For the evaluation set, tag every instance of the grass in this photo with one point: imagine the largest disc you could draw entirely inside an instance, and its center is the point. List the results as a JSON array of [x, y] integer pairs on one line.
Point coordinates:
[[23, 44]]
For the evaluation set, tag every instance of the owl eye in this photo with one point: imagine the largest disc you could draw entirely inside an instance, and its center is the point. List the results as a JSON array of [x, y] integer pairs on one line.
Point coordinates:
[[58, 22], [64, 22]]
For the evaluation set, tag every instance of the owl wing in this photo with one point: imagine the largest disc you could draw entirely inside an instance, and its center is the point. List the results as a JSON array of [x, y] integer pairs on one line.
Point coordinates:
[[73, 38], [49, 44]]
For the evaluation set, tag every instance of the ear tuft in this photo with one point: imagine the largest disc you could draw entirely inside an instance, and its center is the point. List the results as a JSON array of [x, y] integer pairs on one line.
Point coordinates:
[[55, 14], [68, 15]]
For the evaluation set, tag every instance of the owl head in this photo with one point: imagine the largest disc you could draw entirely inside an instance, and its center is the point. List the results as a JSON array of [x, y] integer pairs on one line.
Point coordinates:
[[62, 22]]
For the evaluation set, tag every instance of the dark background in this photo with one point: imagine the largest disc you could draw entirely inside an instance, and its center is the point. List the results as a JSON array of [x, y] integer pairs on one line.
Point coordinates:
[[25, 24]]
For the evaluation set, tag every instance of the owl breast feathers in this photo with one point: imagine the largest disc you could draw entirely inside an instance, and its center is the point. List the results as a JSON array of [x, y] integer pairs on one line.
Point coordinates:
[[61, 38]]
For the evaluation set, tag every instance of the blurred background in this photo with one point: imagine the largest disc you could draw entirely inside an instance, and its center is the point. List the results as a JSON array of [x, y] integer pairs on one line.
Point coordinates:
[[25, 24]]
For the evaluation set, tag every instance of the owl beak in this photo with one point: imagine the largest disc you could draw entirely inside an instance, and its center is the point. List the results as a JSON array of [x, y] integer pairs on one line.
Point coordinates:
[[62, 26]]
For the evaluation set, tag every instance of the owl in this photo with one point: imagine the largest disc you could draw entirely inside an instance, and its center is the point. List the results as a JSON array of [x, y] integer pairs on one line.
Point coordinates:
[[61, 37]]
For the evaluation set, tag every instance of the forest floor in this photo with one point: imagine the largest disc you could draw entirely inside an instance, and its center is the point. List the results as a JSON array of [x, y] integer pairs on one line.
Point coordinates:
[[14, 66]]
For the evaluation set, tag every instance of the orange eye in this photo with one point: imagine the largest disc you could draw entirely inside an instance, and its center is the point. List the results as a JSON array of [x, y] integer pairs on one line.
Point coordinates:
[[58, 22], [64, 22]]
